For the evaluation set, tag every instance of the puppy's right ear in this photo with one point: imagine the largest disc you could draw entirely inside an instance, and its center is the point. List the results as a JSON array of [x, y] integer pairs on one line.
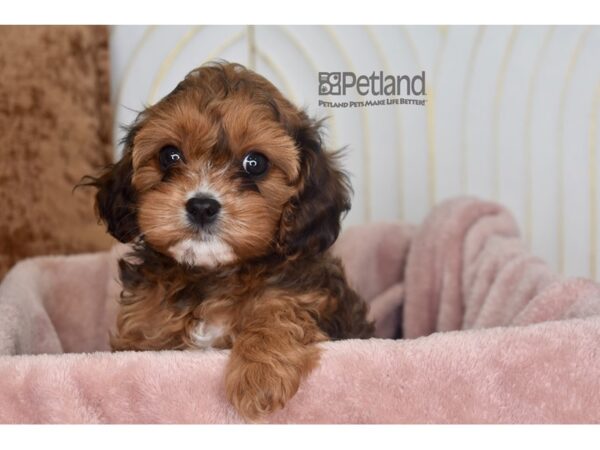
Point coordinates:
[[116, 198]]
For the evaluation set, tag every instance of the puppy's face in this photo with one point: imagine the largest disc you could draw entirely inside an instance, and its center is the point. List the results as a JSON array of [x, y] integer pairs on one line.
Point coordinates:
[[223, 170], [211, 184]]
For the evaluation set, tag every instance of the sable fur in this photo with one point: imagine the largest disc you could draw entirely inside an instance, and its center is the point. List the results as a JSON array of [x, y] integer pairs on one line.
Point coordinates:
[[280, 291]]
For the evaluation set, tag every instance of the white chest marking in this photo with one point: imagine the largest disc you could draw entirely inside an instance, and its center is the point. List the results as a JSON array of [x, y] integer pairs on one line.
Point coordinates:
[[207, 253], [204, 335]]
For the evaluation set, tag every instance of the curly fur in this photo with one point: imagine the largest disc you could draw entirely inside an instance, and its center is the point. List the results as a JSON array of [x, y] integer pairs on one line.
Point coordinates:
[[279, 292]]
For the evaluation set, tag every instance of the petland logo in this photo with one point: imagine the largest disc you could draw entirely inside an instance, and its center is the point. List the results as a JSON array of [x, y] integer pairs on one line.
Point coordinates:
[[377, 84]]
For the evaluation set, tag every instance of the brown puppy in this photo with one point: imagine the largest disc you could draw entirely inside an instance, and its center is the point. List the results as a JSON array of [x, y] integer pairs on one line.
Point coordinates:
[[231, 204]]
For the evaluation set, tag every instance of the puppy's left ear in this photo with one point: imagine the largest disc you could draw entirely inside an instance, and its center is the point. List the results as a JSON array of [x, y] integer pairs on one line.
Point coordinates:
[[310, 222]]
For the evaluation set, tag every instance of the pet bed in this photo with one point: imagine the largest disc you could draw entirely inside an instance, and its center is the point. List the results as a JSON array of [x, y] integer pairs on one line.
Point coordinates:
[[491, 335]]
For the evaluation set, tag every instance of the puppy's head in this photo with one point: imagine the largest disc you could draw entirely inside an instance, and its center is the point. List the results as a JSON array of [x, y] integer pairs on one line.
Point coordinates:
[[222, 170]]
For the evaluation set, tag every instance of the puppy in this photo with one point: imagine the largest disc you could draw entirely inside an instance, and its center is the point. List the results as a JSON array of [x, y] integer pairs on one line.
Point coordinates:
[[231, 203]]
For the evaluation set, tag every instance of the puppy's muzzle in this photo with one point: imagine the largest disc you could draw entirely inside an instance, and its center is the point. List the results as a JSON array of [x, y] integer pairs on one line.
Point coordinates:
[[202, 210]]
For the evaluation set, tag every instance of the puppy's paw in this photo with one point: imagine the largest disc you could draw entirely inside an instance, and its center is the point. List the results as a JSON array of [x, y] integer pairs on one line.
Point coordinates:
[[257, 389]]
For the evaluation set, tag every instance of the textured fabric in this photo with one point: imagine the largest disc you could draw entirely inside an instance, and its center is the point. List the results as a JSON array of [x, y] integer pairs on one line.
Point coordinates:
[[55, 127], [493, 336]]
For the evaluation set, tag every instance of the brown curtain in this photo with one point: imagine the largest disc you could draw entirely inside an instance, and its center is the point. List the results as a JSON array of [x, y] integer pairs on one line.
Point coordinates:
[[55, 127]]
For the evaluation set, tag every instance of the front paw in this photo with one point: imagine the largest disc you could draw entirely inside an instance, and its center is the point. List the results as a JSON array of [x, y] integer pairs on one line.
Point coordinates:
[[258, 389]]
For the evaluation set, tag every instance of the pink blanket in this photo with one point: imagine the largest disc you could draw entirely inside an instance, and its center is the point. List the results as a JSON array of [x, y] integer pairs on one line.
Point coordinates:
[[492, 335]]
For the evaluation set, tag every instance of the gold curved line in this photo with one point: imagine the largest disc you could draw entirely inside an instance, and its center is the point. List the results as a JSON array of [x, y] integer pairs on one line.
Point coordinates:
[[279, 72], [400, 152], [129, 65], [500, 80], [432, 155], [411, 44], [528, 138], [251, 38], [593, 168], [167, 63], [560, 150], [267, 59], [465, 105], [234, 39], [364, 125], [217, 51], [430, 111], [298, 45], [220, 49]]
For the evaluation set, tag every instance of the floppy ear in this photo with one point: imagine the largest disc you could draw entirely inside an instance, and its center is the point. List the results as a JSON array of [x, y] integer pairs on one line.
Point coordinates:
[[116, 200], [310, 222], [116, 197]]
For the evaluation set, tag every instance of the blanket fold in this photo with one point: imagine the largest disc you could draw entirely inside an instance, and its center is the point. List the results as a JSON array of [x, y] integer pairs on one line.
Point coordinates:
[[492, 335]]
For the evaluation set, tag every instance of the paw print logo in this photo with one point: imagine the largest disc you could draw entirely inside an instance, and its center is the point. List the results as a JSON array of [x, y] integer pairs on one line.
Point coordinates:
[[330, 83]]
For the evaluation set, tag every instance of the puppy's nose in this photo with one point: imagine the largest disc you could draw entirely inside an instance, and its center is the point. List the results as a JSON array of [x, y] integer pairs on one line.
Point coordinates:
[[202, 210]]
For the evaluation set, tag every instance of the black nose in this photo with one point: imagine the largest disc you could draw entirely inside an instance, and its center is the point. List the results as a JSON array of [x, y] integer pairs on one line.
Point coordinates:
[[202, 210]]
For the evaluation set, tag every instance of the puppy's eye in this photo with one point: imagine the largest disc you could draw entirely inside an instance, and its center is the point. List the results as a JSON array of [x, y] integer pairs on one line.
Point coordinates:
[[169, 156], [255, 163]]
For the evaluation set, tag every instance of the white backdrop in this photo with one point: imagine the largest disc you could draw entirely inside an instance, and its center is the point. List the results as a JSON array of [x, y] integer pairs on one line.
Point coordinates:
[[512, 114]]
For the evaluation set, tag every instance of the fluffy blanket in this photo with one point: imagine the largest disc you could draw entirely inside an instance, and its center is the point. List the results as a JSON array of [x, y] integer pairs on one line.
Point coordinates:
[[491, 335]]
